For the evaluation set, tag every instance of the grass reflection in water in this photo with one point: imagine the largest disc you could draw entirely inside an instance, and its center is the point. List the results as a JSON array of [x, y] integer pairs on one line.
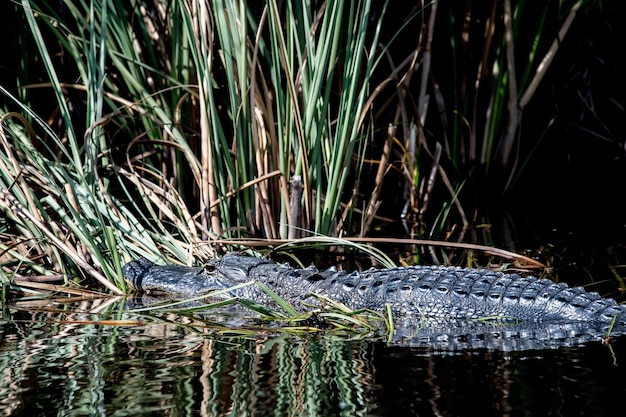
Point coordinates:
[[53, 364]]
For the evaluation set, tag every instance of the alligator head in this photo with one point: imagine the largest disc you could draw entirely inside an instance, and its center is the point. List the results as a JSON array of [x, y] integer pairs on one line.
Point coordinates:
[[181, 281]]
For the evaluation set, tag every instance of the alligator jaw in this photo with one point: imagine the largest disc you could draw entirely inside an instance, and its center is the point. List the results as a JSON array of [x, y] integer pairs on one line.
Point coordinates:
[[172, 280], [134, 272], [179, 281]]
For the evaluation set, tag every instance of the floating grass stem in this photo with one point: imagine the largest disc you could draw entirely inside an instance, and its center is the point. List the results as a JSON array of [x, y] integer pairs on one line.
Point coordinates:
[[389, 322], [289, 309]]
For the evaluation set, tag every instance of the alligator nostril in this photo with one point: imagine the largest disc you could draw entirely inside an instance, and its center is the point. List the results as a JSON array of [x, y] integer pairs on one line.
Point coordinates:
[[315, 278], [443, 289], [348, 286]]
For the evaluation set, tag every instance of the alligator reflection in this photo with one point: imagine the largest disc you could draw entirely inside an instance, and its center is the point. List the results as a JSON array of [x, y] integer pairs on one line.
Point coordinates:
[[63, 362]]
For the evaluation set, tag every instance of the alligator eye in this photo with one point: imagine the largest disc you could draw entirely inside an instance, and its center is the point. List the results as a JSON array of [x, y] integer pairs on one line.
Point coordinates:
[[208, 268]]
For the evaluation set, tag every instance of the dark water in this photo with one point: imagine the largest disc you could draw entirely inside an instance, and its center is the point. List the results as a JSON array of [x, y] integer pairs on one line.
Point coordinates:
[[61, 362]]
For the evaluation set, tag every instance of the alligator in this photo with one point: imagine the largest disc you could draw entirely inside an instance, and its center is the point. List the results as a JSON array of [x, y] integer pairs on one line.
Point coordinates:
[[447, 308]]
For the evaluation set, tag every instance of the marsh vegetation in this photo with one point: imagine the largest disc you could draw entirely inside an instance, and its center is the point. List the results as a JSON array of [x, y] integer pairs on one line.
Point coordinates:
[[175, 130]]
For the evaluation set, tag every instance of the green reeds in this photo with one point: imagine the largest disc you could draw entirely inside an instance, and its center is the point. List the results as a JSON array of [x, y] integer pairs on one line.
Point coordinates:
[[195, 118], [56, 186], [298, 81], [174, 124]]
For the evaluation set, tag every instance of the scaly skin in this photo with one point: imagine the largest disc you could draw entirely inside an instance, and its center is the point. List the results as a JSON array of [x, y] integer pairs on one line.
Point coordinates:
[[442, 297], [436, 293]]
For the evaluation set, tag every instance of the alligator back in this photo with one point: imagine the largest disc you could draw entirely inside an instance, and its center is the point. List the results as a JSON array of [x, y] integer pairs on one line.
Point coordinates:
[[445, 293]]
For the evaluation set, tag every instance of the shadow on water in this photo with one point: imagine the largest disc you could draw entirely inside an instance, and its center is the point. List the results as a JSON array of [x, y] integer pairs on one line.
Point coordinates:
[[71, 360]]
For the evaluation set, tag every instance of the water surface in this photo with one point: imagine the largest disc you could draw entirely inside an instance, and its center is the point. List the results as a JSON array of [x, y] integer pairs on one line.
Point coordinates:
[[64, 359]]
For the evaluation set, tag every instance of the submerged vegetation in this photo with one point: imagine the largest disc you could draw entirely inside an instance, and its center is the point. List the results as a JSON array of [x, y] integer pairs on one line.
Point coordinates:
[[170, 129]]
